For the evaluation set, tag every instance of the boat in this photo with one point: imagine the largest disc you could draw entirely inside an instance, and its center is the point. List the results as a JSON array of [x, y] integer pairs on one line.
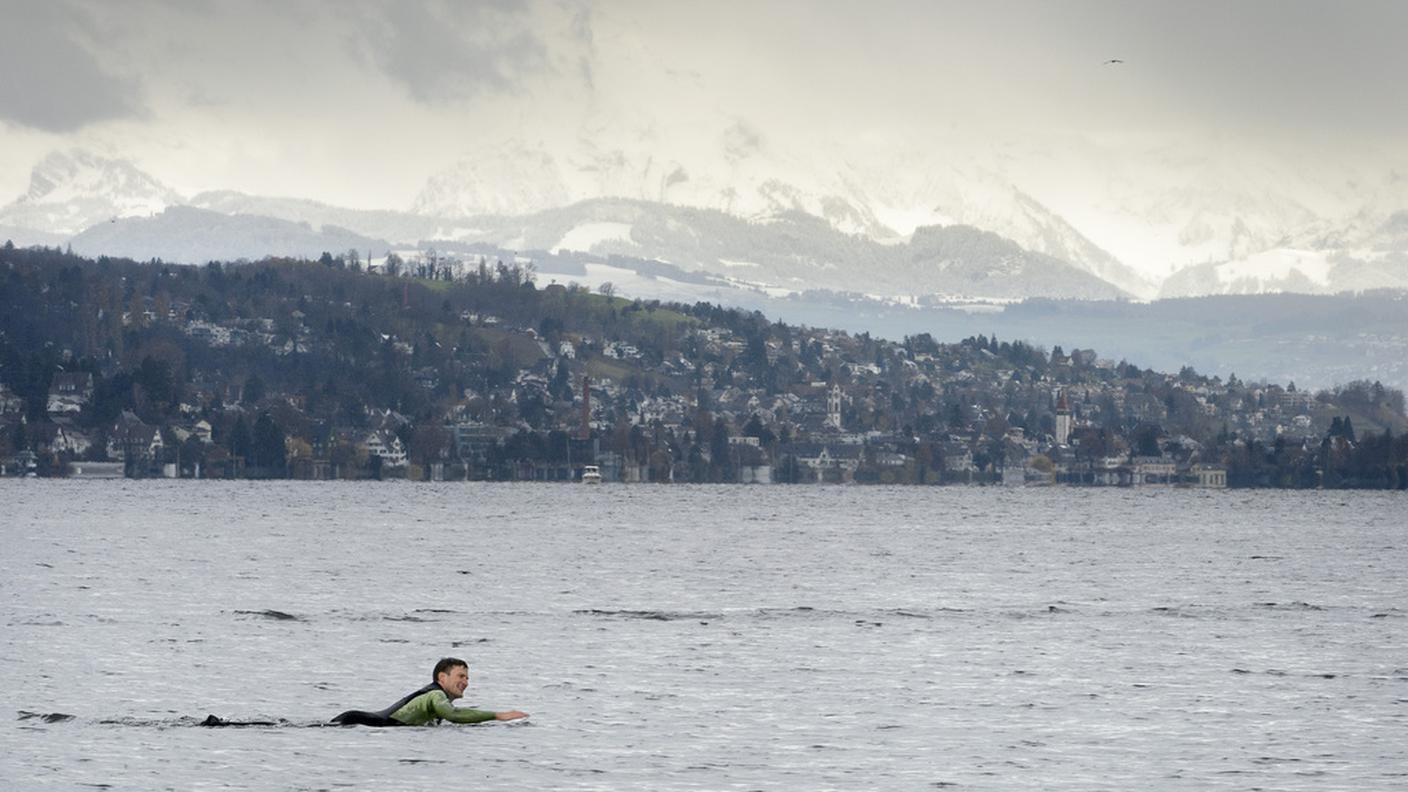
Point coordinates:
[[591, 474]]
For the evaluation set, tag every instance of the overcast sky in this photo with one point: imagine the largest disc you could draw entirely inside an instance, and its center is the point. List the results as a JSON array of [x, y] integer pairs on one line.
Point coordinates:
[[357, 102]]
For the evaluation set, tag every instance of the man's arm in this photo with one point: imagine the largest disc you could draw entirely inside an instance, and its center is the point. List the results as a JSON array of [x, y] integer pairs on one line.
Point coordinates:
[[447, 711]]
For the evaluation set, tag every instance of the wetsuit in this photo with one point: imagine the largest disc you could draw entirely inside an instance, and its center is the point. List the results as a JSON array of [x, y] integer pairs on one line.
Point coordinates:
[[430, 704]]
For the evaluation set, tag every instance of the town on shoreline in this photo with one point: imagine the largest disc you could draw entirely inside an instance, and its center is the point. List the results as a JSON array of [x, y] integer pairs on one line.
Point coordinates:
[[466, 368]]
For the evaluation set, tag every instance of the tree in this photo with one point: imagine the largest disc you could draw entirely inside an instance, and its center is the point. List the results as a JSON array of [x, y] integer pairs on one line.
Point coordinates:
[[241, 444], [268, 449], [531, 408], [561, 386], [720, 459], [1146, 439], [155, 378], [756, 428], [430, 442], [253, 391]]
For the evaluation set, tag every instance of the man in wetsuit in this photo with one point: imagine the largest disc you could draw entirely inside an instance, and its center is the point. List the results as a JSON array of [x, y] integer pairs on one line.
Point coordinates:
[[431, 704]]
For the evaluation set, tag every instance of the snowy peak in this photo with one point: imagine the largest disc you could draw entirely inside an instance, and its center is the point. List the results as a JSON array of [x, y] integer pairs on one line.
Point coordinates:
[[794, 251], [518, 179], [187, 235], [402, 228], [513, 180], [70, 191], [1392, 234], [1292, 270]]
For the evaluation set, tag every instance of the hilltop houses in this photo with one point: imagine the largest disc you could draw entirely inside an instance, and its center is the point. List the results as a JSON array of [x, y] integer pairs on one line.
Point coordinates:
[[69, 392], [491, 378]]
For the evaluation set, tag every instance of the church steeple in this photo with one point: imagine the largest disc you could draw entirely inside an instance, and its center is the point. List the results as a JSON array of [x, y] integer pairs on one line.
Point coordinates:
[[1063, 419], [833, 406]]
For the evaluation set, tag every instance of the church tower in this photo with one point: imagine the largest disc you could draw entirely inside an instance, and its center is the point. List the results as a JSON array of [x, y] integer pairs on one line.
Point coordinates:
[[1063, 419], [833, 407]]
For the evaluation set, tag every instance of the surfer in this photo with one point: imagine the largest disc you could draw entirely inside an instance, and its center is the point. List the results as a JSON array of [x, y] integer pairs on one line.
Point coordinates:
[[430, 704]]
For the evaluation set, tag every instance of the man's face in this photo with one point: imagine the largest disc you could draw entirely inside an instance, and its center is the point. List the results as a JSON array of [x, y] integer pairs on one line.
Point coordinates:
[[454, 681]]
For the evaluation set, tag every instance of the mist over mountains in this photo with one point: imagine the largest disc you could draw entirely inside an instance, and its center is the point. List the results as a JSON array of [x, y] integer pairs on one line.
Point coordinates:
[[829, 255], [955, 231]]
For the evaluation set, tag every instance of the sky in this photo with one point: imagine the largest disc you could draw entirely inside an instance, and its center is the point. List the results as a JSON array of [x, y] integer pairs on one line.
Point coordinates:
[[358, 102]]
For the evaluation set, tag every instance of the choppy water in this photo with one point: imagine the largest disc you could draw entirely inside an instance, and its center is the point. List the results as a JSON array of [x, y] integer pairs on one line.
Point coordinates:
[[704, 638]]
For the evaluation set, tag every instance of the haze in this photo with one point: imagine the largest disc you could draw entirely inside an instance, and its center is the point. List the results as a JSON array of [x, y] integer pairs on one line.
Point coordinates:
[[360, 103]]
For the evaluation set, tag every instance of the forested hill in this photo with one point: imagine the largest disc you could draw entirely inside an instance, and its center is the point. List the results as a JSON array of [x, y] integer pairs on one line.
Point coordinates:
[[281, 367], [335, 338]]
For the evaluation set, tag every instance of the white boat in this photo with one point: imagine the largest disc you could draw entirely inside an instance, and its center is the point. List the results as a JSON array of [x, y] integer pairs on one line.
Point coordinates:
[[591, 474]]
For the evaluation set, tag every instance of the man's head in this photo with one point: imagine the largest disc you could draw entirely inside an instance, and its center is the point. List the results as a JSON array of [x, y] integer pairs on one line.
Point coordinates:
[[452, 675]]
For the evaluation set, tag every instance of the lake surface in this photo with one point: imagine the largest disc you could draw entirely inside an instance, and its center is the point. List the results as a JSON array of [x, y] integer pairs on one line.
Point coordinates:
[[711, 638]]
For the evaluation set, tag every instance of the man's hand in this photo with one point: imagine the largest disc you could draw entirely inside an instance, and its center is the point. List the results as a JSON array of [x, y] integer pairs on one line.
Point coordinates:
[[510, 715]]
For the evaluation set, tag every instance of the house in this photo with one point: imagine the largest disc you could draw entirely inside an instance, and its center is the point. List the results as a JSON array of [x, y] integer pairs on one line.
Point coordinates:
[[752, 461], [387, 446], [69, 392], [958, 457], [427, 377], [891, 459], [830, 462], [9, 402], [25, 463], [130, 440], [62, 437], [473, 440], [1210, 476], [1153, 470]]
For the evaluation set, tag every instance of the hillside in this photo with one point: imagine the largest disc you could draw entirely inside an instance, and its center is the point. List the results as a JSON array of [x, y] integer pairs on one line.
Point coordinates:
[[318, 369]]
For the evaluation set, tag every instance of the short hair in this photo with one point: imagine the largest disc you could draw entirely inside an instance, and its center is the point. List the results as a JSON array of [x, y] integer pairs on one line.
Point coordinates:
[[445, 664]]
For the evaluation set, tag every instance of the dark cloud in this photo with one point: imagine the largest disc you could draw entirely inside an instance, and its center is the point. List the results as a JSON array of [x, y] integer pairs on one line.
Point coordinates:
[[450, 51], [52, 80], [582, 32]]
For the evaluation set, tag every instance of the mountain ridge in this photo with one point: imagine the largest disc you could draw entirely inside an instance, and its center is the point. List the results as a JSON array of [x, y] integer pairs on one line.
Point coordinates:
[[850, 246]]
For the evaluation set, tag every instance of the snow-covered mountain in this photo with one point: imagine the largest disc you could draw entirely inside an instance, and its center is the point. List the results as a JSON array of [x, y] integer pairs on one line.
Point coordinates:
[[795, 251], [70, 191], [29, 237], [888, 221], [1359, 255], [740, 175], [403, 229], [1129, 216], [1291, 270], [186, 235]]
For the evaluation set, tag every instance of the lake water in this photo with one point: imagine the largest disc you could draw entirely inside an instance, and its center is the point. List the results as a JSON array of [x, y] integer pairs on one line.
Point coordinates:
[[712, 638]]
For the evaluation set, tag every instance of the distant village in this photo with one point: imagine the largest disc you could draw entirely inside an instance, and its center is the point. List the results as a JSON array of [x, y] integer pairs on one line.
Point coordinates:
[[451, 370]]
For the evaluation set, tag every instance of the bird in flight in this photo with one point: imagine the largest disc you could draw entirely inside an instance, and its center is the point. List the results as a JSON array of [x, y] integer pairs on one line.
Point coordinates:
[[1113, 60]]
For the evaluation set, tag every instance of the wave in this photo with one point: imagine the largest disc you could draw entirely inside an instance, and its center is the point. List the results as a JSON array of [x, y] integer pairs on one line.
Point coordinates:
[[1277, 672], [275, 615], [1290, 606], [47, 717], [185, 721], [797, 612], [649, 615]]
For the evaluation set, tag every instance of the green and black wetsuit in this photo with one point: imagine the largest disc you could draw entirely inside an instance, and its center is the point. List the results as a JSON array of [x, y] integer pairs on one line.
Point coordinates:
[[430, 704]]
